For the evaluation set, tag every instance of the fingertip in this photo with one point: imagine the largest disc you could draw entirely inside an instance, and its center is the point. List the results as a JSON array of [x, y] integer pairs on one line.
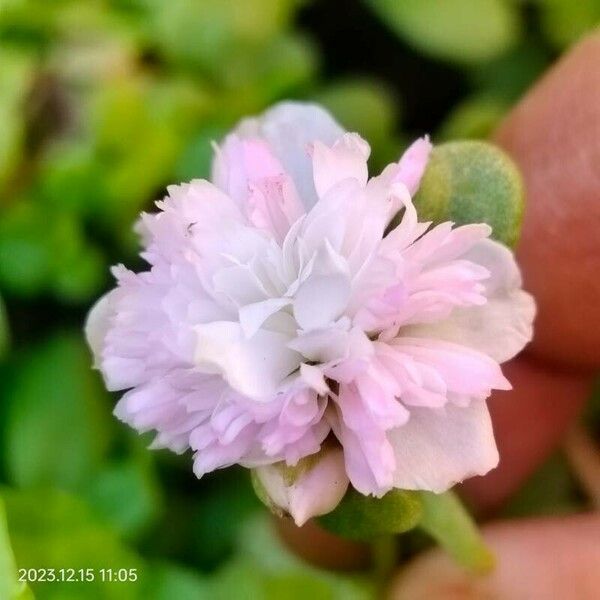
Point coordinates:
[[554, 136], [536, 558]]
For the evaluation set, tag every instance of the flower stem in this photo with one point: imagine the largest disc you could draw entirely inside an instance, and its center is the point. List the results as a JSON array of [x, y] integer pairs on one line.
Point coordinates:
[[385, 554]]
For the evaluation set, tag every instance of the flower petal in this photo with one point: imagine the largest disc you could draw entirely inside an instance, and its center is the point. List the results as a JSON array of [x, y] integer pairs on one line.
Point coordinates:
[[252, 316], [440, 447], [346, 159], [255, 367], [289, 127], [501, 327], [97, 325], [313, 492], [411, 166]]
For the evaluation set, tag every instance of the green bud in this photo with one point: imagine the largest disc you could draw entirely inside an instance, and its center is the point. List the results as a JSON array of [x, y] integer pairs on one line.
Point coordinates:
[[365, 517], [472, 182]]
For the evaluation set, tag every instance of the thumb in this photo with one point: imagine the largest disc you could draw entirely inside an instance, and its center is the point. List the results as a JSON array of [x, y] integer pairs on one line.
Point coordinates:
[[554, 136], [537, 558]]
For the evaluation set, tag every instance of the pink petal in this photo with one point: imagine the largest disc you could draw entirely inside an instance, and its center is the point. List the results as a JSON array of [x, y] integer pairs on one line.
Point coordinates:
[[346, 159], [411, 166], [314, 492], [438, 448]]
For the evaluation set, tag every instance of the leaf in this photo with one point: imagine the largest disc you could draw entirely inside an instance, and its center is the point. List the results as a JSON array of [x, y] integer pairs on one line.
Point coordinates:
[[126, 494], [196, 159], [16, 77], [58, 421], [565, 21], [263, 568], [172, 582], [463, 31], [510, 75], [4, 330], [473, 118], [52, 529], [204, 34], [365, 517], [10, 587], [449, 523], [25, 255], [226, 501], [80, 276], [472, 182], [551, 490]]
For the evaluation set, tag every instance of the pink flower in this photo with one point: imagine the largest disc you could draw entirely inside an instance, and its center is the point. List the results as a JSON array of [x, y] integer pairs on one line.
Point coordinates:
[[278, 311]]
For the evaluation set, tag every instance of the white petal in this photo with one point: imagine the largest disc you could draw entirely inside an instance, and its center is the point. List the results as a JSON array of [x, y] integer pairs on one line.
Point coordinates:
[[324, 295], [321, 299], [314, 378], [289, 128], [440, 447], [97, 324], [346, 159], [322, 345], [501, 327], [252, 316], [254, 367]]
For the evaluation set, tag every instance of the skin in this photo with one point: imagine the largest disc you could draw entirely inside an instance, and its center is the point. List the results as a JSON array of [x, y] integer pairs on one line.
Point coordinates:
[[554, 136], [536, 559]]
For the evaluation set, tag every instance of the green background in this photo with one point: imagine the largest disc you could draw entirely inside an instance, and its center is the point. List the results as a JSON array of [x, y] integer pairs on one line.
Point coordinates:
[[102, 104]]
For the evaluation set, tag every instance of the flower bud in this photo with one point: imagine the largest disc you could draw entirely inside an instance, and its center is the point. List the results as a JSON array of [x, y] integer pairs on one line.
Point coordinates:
[[315, 486]]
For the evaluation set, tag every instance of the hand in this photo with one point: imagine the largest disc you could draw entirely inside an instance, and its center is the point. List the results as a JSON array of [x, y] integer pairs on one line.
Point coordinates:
[[554, 135]]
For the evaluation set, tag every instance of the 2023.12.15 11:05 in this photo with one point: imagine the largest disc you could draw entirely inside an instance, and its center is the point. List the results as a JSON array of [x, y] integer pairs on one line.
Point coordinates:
[[72, 575]]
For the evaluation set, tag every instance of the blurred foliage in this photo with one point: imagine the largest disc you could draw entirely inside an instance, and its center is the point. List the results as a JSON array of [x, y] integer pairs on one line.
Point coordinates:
[[103, 103], [551, 490], [464, 31]]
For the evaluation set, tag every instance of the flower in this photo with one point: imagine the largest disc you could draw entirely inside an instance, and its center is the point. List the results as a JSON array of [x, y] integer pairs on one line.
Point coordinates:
[[314, 486], [284, 306]]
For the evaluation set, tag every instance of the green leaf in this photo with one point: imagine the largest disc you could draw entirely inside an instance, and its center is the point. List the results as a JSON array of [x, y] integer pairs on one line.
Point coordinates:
[[472, 182], [510, 75], [10, 587], [126, 493], [80, 276], [565, 21], [25, 255], [463, 31], [551, 490], [16, 77], [172, 582], [473, 118], [449, 523], [52, 529], [263, 568], [227, 500], [58, 419], [4, 330], [204, 34], [196, 159], [365, 517]]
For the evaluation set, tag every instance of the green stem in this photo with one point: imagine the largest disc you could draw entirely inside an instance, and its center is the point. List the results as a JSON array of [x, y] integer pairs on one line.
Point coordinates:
[[385, 554], [448, 522]]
